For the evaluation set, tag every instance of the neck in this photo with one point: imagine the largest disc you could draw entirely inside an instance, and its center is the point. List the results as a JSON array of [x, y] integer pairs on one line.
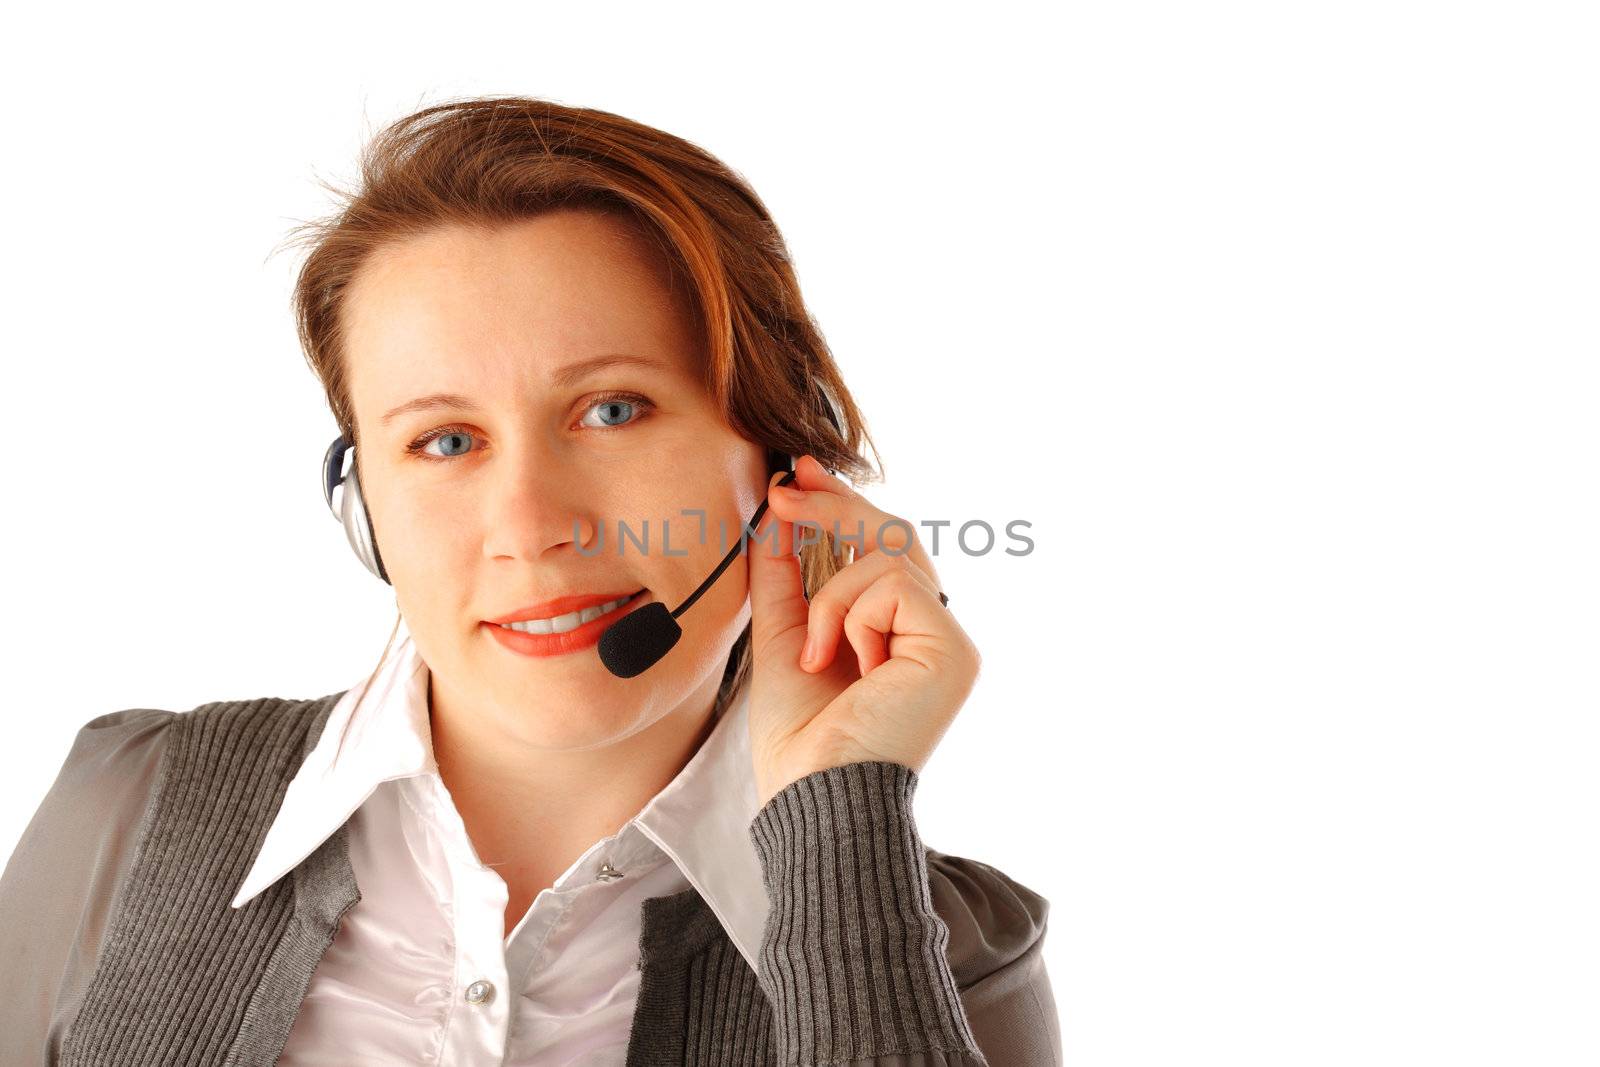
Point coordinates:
[[531, 812]]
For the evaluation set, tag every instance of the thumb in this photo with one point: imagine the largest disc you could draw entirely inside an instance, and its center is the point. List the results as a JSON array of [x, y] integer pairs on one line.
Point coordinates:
[[777, 591]]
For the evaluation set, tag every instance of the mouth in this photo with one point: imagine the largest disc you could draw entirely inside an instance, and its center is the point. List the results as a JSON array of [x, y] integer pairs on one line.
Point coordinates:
[[561, 634], [568, 613]]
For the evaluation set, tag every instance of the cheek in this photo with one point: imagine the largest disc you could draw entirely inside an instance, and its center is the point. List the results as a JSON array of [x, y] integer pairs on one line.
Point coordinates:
[[419, 540], [699, 525]]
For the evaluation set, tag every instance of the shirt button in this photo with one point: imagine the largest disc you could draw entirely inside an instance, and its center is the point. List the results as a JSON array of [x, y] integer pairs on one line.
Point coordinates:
[[480, 992]]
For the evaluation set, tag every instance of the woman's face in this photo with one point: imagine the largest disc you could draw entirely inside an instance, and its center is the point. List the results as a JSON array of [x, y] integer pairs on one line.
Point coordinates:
[[481, 505]]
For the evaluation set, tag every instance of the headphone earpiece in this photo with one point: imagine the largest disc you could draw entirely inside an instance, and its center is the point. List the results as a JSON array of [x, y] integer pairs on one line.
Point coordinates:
[[351, 510]]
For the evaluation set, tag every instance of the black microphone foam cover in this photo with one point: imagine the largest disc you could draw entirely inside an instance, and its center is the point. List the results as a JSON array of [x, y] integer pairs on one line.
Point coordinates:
[[637, 640]]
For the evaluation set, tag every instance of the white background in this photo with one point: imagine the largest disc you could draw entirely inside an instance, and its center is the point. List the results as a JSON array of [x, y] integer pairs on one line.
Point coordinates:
[[1277, 321]]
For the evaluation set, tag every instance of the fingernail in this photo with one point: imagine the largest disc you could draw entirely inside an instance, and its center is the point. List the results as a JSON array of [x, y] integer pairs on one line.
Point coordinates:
[[809, 653], [788, 492]]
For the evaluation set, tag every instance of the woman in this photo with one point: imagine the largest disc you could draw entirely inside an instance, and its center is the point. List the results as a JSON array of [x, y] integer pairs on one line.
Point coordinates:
[[544, 332]]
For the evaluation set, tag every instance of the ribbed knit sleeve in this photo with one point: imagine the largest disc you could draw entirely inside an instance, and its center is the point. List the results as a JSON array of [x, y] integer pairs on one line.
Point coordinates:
[[853, 956]]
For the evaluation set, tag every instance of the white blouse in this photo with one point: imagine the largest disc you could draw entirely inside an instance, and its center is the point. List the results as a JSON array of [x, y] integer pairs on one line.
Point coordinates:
[[420, 971]]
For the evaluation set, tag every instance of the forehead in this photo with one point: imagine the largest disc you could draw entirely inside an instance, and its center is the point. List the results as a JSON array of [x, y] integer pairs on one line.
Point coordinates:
[[521, 299]]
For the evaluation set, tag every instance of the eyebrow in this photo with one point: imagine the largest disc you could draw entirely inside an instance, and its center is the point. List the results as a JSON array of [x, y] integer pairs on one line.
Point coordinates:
[[429, 402], [560, 378], [573, 373]]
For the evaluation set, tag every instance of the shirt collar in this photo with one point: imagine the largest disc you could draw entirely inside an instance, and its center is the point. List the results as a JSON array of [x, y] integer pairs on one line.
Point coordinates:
[[700, 820]]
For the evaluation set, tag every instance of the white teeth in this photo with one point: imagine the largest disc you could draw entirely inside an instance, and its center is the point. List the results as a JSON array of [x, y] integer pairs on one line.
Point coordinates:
[[562, 623]]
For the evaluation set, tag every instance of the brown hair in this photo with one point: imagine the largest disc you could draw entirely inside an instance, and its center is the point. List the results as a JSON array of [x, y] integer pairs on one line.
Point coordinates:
[[495, 160]]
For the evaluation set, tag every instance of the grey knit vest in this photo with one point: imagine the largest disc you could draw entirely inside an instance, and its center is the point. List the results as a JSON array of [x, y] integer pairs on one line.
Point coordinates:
[[852, 965]]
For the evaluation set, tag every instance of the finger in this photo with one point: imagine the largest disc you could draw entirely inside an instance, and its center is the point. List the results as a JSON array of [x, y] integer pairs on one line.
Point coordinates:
[[831, 604], [777, 590], [897, 618], [835, 507]]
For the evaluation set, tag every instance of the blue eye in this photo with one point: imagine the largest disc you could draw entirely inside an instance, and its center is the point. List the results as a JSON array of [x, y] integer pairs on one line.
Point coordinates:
[[618, 411], [453, 436], [620, 407]]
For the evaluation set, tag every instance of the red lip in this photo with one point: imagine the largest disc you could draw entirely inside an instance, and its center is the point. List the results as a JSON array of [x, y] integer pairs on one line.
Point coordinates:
[[563, 605], [585, 636]]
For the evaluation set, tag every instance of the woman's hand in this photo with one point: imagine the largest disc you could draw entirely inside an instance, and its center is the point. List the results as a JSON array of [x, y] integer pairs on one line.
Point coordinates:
[[890, 667]]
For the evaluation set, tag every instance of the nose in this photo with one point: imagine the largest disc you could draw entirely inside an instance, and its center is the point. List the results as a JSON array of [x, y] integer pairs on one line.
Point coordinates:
[[538, 499]]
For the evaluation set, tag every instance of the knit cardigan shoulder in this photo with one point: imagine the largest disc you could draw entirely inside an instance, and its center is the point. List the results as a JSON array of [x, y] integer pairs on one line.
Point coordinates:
[[121, 947]]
